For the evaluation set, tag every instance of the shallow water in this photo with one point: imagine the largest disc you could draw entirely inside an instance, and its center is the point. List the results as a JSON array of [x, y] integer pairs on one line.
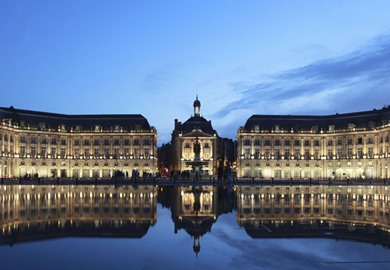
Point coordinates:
[[107, 227]]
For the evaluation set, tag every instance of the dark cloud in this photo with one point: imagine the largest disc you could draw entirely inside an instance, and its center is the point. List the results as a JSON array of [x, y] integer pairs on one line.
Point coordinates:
[[352, 82]]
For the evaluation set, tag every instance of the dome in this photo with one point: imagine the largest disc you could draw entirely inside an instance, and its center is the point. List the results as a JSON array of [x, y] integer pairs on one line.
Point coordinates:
[[196, 102]]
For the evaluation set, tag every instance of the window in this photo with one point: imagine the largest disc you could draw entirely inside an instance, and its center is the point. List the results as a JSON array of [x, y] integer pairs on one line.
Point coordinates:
[[330, 153], [307, 154], [277, 153], [43, 141], [277, 142], [370, 152], [116, 142], [63, 141], [330, 142], [350, 141], [106, 142], [340, 153], [33, 151], [267, 143], [206, 145], [43, 151], [22, 139], [257, 142], [22, 151], [136, 142], [86, 142], [316, 143], [350, 152], [127, 142], [339, 142], [146, 142], [307, 143], [359, 152], [287, 153], [257, 153], [187, 145], [76, 142], [53, 141], [33, 139], [360, 141], [370, 140], [296, 143], [287, 143], [247, 142]]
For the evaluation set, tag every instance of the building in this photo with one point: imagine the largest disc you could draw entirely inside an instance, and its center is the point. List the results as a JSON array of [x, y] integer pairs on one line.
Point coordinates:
[[48, 145], [184, 137], [340, 146]]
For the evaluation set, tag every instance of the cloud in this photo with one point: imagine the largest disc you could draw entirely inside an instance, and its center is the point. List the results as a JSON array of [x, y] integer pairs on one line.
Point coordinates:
[[356, 81]]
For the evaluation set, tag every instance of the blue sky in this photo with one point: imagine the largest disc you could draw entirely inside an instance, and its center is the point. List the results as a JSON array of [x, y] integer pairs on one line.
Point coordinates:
[[154, 57]]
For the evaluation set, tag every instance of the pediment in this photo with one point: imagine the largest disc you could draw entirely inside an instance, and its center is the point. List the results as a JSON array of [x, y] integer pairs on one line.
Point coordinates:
[[197, 133]]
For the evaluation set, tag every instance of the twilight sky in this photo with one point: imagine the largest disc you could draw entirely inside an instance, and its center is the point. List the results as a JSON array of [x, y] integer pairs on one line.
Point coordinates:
[[153, 58]]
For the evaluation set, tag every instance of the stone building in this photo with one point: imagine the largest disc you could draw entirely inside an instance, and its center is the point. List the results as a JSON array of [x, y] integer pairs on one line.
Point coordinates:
[[49, 145], [184, 137], [340, 146]]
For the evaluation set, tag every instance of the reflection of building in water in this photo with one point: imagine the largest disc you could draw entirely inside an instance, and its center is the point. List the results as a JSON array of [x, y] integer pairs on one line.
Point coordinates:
[[79, 146], [33, 212], [194, 209], [359, 212], [340, 146]]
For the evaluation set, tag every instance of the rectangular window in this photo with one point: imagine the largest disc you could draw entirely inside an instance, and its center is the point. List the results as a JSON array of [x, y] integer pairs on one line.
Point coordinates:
[[297, 143], [22, 151], [33, 151], [287, 143], [76, 142], [43, 151], [22, 139], [350, 152], [63, 141], [287, 153], [127, 142], [257, 153], [359, 152], [86, 142], [330, 153], [96, 142], [370, 152]]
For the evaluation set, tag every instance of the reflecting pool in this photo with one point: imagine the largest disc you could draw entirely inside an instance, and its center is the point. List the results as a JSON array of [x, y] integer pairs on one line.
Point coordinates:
[[194, 227]]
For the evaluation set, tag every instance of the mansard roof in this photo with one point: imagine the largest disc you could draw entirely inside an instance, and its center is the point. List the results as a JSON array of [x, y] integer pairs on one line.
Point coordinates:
[[358, 120], [35, 119], [195, 123]]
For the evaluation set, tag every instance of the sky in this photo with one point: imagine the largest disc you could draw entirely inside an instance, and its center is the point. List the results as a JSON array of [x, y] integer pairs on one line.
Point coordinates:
[[152, 58]]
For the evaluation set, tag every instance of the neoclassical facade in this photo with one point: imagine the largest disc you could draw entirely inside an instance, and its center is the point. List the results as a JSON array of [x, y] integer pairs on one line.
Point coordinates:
[[49, 145], [184, 137], [340, 146]]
